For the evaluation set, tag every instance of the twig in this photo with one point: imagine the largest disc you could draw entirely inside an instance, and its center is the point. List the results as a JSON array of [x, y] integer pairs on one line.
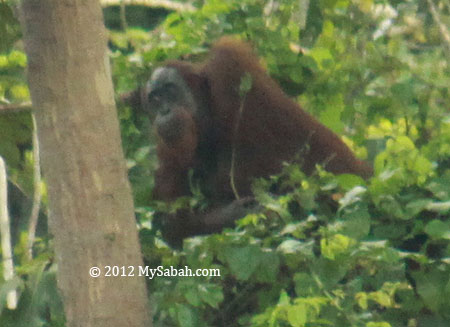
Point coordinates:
[[37, 193], [5, 232], [244, 87], [233, 151]]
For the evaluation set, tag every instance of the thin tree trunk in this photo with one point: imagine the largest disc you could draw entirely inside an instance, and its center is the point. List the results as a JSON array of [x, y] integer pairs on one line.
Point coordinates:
[[91, 211], [5, 237]]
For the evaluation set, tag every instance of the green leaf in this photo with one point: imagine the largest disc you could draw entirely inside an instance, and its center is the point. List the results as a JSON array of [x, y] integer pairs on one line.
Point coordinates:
[[246, 84], [4, 61], [305, 285], [349, 181], [438, 229], [365, 6], [290, 246], [332, 247], [431, 287], [329, 272], [416, 206], [362, 300], [356, 223], [268, 267], [211, 294], [378, 324], [352, 196], [331, 116], [192, 296], [17, 58], [297, 315], [243, 261], [320, 55], [381, 298], [440, 187], [186, 316]]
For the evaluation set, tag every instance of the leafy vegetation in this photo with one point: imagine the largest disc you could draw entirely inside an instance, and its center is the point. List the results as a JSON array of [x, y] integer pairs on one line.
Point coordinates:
[[323, 250]]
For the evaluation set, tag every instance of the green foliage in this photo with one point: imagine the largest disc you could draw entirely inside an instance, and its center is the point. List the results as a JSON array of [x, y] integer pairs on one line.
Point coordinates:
[[330, 250], [15, 129], [9, 28], [328, 264]]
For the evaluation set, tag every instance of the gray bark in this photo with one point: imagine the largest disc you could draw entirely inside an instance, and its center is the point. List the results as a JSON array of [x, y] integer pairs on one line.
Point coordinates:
[[90, 202]]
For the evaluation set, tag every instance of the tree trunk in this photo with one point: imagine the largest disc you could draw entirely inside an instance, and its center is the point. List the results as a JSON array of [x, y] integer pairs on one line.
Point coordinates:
[[91, 207]]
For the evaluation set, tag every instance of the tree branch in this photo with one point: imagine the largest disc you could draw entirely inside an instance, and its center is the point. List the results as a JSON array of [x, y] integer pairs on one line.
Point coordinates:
[[442, 28], [15, 107], [37, 192], [5, 232], [166, 4]]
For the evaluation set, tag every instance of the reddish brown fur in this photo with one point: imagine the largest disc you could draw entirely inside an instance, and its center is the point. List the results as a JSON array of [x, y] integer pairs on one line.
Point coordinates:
[[175, 159], [272, 129]]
